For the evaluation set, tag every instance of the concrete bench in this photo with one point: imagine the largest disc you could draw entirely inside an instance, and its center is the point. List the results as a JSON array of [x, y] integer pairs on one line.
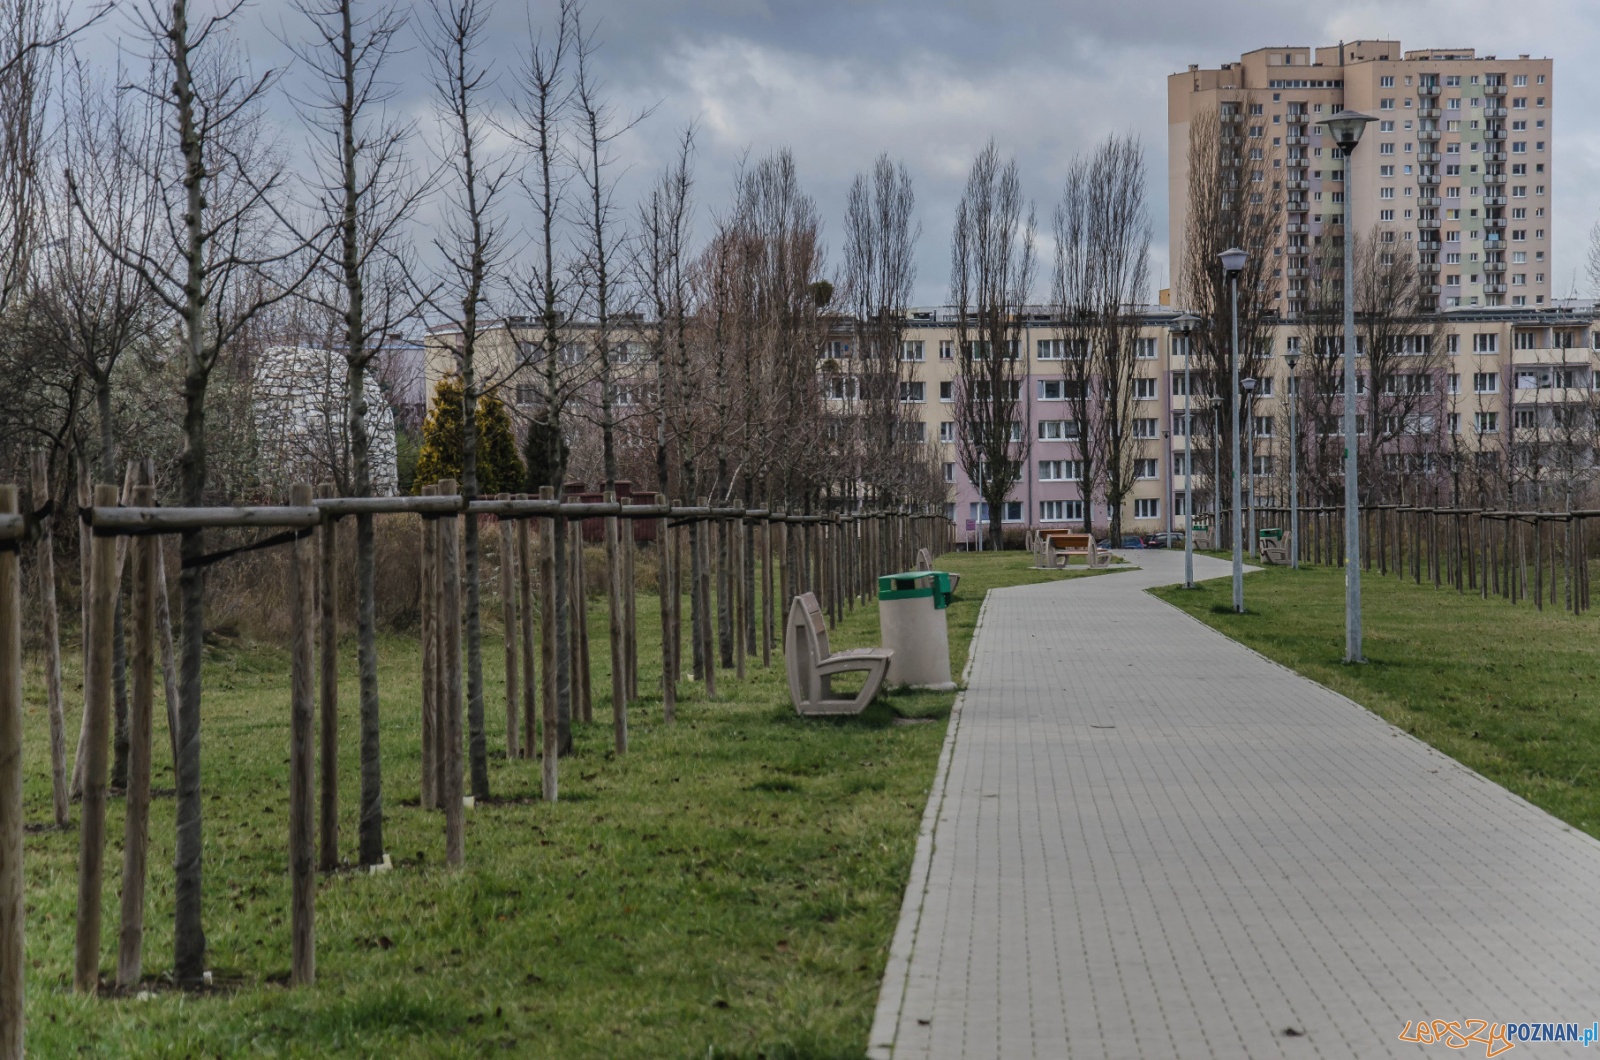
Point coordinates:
[[1056, 548], [812, 666], [1274, 552]]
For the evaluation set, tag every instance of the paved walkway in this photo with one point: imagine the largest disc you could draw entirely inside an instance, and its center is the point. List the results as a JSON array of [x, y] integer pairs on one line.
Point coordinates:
[[1148, 841]]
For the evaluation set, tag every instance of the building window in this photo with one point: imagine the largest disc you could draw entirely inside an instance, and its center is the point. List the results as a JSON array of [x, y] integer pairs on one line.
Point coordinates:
[[949, 472], [947, 431], [1144, 428], [1011, 512], [912, 351], [1486, 342], [1144, 468], [947, 350], [913, 391], [1060, 511], [1144, 389], [1486, 382], [947, 390], [1052, 390], [1060, 470], [1487, 422], [1057, 430], [1145, 349], [1147, 508]]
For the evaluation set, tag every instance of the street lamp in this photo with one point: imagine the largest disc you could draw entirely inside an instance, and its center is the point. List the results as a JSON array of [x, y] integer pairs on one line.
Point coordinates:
[[1346, 128], [1249, 387], [1233, 260], [1183, 328], [1292, 358]]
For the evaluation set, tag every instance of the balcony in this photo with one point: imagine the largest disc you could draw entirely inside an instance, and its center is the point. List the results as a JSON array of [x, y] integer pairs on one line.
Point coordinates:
[[1494, 200], [1429, 156], [1429, 112], [1552, 395], [1427, 91], [1494, 156], [1494, 288], [1297, 185], [1431, 288], [1428, 180], [1494, 222], [1296, 141], [1429, 268], [1424, 245], [1494, 135], [1429, 224], [1574, 355], [1494, 180], [1494, 90], [1429, 135], [1495, 112], [1430, 200], [1296, 205], [1296, 228]]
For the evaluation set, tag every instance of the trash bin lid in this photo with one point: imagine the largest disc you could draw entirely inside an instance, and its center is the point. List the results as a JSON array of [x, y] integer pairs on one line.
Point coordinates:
[[909, 585]]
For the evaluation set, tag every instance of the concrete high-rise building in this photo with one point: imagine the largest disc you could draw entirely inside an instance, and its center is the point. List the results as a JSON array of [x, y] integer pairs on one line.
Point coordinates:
[[1456, 168]]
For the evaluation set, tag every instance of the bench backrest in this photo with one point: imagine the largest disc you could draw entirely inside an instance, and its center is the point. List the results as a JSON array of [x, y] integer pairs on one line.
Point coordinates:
[[805, 647], [1074, 542], [924, 560]]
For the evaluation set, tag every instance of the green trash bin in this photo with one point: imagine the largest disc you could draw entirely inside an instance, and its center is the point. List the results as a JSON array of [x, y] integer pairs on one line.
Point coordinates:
[[1270, 533], [911, 620]]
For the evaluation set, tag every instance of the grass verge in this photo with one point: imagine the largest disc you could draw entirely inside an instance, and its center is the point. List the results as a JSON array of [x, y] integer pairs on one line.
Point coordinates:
[[1504, 689], [728, 888]]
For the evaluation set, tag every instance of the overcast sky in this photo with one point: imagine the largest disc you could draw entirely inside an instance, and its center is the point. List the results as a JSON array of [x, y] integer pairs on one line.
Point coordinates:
[[929, 81]]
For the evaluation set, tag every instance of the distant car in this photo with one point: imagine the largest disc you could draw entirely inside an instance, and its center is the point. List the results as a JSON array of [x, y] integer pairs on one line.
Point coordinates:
[[1163, 540], [1132, 541]]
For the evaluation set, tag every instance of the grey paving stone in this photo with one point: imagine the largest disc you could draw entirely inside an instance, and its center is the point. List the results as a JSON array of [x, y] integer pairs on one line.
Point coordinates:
[[1148, 841]]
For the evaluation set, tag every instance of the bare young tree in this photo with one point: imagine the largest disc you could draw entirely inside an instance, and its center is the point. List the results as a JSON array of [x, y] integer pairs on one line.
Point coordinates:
[[217, 178], [660, 265], [542, 112], [365, 189], [472, 245], [881, 232], [991, 273]]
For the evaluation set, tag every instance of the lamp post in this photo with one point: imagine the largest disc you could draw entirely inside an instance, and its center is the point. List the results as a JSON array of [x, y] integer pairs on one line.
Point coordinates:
[[1346, 128], [1249, 386], [1233, 260], [1183, 328], [1292, 358]]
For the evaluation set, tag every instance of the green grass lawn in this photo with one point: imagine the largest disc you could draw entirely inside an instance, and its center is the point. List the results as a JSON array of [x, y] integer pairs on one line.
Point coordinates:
[[728, 888], [1509, 691]]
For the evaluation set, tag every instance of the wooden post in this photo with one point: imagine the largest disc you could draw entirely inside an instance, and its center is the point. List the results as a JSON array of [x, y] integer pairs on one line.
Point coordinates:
[[141, 701], [429, 793], [97, 695], [619, 652], [630, 607], [44, 553], [328, 697], [85, 605], [766, 593], [736, 576], [13, 957], [666, 586], [582, 675], [549, 646], [707, 620], [508, 623], [530, 695], [302, 852], [450, 791]]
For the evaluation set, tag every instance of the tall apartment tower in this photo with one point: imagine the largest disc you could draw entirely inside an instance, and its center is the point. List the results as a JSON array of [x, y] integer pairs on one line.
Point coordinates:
[[1457, 166]]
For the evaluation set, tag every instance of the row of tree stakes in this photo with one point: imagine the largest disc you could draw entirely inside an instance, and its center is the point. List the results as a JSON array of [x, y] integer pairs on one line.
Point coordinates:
[[837, 555]]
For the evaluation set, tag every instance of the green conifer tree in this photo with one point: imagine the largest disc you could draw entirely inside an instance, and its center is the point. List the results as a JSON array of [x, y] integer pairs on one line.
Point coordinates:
[[499, 467]]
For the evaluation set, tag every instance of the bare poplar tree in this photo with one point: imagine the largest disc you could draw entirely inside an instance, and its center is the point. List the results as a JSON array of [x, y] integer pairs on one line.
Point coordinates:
[[1102, 244], [881, 232], [365, 190], [661, 265], [217, 179], [991, 273], [1234, 201], [472, 245]]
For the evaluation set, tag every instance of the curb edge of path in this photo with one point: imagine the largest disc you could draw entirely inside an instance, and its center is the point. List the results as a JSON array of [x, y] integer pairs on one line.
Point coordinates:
[[891, 996]]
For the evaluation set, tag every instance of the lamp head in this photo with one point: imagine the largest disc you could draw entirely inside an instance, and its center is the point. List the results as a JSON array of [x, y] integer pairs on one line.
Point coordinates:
[[1346, 128], [1233, 260], [1291, 358], [1248, 385], [1185, 324]]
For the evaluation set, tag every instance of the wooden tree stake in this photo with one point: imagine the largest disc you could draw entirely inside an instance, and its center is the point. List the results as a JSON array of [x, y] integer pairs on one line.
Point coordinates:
[[141, 703], [13, 957], [302, 849]]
